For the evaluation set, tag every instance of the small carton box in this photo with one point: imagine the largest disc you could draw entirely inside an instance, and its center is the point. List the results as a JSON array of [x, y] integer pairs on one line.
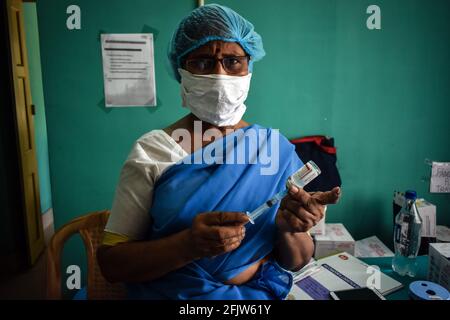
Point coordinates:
[[336, 239], [371, 247], [427, 212], [319, 228], [442, 234], [439, 265]]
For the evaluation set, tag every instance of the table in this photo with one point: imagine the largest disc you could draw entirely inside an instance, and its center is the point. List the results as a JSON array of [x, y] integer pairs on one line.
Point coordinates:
[[386, 268]]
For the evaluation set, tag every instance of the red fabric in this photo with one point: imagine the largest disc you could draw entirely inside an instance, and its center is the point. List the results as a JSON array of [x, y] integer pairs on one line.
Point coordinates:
[[318, 141]]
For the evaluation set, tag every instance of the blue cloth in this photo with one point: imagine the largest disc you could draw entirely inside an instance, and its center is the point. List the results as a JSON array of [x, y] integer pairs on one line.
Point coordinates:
[[213, 22], [185, 190]]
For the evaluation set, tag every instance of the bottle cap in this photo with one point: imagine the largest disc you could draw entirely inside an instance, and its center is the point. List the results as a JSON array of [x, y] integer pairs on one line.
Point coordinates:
[[411, 194]]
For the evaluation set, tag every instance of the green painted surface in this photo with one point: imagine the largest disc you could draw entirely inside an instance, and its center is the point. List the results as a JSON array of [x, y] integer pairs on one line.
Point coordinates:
[[37, 92], [383, 94]]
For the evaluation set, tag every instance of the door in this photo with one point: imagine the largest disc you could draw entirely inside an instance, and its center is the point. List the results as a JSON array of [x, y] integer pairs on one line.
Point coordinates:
[[25, 131]]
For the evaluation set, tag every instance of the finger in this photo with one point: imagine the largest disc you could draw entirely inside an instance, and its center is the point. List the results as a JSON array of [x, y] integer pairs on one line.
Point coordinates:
[[296, 208], [299, 194], [294, 222], [214, 244], [224, 248], [307, 217], [310, 217], [290, 204], [224, 218], [297, 224], [215, 251], [232, 246], [221, 233], [210, 248], [226, 242], [329, 197]]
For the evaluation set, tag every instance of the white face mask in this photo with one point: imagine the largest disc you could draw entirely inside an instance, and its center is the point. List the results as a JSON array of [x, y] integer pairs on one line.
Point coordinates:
[[215, 98]]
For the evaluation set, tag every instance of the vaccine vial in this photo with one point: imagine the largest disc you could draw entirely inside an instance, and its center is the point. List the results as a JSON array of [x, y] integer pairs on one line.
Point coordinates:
[[300, 178]]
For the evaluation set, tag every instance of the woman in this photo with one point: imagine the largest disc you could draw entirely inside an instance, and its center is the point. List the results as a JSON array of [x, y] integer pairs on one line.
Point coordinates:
[[178, 228]]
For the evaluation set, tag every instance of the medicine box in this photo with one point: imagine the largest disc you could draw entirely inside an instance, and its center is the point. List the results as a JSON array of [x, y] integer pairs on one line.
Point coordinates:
[[336, 239], [371, 247], [319, 228], [442, 234], [439, 265], [427, 212]]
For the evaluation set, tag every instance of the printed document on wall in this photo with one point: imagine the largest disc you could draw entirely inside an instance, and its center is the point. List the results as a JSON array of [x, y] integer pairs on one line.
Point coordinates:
[[440, 177], [128, 70]]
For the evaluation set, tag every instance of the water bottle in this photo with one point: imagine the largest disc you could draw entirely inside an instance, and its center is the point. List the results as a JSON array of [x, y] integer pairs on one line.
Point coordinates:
[[407, 237]]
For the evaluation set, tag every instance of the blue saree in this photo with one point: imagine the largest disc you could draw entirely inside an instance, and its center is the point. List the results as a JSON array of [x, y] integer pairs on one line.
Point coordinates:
[[226, 181]]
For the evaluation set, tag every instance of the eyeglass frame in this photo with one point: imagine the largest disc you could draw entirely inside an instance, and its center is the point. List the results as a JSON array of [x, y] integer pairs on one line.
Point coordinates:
[[220, 60]]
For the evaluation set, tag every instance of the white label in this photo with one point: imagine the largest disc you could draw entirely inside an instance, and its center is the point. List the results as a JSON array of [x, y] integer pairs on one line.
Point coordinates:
[[440, 177]]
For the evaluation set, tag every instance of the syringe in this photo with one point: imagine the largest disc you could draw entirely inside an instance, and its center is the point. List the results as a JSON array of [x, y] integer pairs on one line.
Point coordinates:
[[300, 178]]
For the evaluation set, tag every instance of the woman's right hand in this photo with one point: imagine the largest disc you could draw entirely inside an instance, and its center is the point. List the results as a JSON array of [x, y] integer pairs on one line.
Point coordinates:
[[215, 233]]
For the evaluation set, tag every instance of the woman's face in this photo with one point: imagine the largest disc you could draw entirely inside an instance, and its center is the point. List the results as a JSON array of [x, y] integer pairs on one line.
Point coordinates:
[[204, 60]]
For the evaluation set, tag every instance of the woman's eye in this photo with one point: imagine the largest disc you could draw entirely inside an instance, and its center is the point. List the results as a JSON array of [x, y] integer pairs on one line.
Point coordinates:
[[199, 64], [233, 64], [202, 64]]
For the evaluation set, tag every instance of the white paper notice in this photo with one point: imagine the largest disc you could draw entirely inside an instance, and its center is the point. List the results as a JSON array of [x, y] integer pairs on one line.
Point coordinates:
[[128, 70], [440, 177]]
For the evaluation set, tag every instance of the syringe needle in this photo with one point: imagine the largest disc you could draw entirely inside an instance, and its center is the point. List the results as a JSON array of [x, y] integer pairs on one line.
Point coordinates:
[[300, 178], [268, 204]]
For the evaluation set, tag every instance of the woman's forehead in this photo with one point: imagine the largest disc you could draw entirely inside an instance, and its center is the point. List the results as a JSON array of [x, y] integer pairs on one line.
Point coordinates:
[[218, 47]]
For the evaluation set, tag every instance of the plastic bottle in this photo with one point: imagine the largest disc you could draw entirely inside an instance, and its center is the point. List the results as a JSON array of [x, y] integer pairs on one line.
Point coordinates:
[[407, 237]]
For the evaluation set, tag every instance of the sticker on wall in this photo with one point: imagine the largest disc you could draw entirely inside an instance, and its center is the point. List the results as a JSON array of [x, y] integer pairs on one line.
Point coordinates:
[[128, 70]]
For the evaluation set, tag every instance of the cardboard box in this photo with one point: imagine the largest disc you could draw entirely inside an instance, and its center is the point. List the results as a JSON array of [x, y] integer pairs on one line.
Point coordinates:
[[371, 247], [427, 212], [319, 228], [442, 234], [336, 239], [439, 265]]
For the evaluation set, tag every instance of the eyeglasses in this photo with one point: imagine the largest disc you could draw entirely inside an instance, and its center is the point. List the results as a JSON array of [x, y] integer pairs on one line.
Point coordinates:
[[231, 64]]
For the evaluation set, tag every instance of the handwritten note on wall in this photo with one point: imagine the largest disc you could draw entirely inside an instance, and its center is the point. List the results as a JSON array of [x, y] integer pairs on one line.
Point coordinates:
[[440, 177]]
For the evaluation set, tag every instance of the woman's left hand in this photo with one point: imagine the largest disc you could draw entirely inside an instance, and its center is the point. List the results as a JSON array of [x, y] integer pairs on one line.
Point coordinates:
[[300, 211]]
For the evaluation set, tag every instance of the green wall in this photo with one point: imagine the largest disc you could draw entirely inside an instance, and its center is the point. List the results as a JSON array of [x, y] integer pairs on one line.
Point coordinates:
[[37, 92], [382, 94]]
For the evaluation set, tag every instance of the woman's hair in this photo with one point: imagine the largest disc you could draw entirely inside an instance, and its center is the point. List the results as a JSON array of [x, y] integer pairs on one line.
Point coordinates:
[[213, 22]]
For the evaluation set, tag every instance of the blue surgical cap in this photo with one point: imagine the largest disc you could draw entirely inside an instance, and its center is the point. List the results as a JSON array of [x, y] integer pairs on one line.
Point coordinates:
[[213, 22]]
